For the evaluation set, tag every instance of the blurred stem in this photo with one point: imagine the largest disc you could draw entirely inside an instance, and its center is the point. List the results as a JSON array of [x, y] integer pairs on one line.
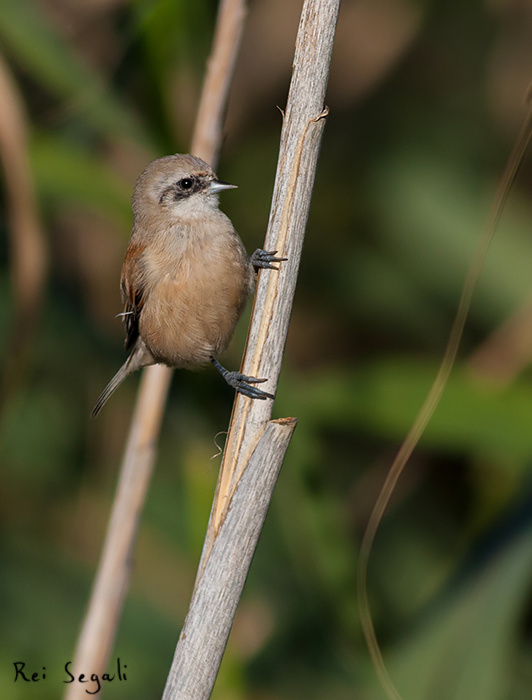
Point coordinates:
[[112, 579], [506, 352], [256, 445], [26, 237]]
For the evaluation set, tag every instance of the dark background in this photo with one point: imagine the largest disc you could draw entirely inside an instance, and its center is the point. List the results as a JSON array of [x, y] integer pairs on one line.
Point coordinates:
[[426, 99]]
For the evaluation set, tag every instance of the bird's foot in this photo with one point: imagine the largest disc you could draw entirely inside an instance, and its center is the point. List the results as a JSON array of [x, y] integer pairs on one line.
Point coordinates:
[[264, 259], [242, 383]]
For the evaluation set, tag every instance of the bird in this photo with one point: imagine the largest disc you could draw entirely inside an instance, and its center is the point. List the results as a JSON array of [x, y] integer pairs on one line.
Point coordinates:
[[186, 274]]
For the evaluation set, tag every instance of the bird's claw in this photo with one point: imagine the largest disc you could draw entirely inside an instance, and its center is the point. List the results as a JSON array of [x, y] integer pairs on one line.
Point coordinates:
[[241, 382], [264, 259]]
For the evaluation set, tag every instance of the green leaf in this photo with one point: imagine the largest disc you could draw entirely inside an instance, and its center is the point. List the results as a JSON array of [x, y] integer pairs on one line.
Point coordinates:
[[69, 173], [31, 38], [384, 397], [465, 649]]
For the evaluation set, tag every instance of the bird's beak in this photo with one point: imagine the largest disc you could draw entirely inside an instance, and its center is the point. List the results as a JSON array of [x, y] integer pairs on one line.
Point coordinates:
[[218, 186]]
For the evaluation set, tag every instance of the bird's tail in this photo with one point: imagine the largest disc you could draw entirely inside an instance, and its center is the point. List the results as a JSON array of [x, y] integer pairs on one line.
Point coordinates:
[[112, 386]]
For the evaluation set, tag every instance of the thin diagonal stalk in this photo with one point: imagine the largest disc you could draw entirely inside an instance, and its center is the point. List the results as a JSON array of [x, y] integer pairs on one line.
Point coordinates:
[[217, 592], [112, 579]]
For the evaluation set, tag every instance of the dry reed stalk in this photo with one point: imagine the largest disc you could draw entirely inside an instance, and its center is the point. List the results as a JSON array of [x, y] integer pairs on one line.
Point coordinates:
[[256, 445], [303, 125]]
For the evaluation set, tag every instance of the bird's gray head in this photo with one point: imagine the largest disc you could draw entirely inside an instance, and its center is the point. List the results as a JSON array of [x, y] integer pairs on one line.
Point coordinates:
[[181, 184]]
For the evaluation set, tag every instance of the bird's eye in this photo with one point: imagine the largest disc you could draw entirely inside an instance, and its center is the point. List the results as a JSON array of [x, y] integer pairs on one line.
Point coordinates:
[[186, 183]]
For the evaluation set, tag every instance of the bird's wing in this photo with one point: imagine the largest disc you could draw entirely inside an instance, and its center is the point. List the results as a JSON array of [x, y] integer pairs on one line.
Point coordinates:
[[133, 292]]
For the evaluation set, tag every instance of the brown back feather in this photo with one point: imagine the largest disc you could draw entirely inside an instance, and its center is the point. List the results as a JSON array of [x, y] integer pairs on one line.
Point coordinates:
[[133, 292]]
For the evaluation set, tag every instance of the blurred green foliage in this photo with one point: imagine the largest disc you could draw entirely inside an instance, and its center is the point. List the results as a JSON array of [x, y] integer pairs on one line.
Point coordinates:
[[412, 152]]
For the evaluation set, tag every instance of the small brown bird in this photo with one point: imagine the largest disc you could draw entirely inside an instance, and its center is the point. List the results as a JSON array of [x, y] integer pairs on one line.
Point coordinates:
[[186, 274]]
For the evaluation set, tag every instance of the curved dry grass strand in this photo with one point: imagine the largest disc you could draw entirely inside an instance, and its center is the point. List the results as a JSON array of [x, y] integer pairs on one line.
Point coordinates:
[[431, 403]]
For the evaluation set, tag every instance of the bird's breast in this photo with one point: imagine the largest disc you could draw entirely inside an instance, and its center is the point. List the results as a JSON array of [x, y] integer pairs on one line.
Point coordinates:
[[194, 299]]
